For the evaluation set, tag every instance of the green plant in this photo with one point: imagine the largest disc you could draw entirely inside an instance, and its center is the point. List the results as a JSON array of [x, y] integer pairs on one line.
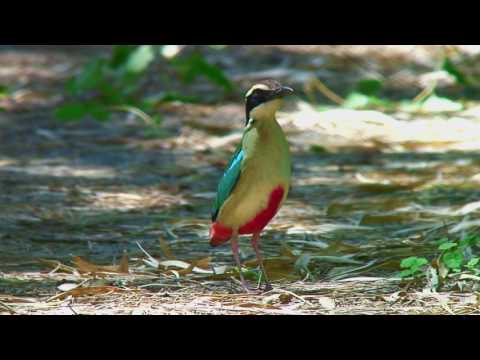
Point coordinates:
[[366, 95], [413, 266], [453, 70], [195, 66], [4, 91], [458, 255], [452, 256], [110, 84], [116, 83]]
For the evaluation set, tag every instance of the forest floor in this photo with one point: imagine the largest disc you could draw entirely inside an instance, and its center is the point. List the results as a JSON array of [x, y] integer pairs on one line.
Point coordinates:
[[108, 218]]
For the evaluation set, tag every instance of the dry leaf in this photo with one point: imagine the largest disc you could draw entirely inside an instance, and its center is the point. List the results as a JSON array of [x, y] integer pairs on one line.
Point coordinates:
[[203, 263], [469, 277], [67, 287], [123, 266], [58, 266], [175, 264], [87, 291], [84, 266], [184, 272], [255, 305], [166, 249]]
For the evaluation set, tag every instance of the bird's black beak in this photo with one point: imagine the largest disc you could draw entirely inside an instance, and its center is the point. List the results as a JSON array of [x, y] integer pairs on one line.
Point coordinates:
[[284, 91]]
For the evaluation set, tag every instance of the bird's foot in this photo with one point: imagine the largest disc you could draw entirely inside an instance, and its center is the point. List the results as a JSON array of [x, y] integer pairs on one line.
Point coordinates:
[[268, 287], [253, 290], [245, 287]]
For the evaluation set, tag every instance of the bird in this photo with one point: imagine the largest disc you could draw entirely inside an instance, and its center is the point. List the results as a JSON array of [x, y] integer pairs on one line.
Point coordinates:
[[257, 179]]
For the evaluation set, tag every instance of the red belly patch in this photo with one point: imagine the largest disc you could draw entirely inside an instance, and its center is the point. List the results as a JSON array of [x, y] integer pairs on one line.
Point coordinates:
[[220, 234]]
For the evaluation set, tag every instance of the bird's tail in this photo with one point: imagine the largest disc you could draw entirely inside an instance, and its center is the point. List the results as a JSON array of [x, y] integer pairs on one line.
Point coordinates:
[[219, 234]]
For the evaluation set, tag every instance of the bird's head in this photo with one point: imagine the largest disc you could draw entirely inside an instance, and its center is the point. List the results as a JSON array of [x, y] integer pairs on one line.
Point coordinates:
[[264, 99]]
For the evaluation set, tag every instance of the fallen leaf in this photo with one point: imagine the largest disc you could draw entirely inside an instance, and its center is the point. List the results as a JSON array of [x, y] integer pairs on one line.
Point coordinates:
[[203, 263], [123, 267], [84, 266], [468, 208], [255, 305], [469, 277], [67, 287], [166, 249], [87, 291], [58, 266], [175, 264]]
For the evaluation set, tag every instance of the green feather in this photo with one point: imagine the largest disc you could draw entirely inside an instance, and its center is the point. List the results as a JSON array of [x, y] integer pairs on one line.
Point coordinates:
[[228, 182]]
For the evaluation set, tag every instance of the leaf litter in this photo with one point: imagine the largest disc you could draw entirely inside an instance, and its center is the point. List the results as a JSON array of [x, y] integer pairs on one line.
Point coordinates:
[[375, 195]]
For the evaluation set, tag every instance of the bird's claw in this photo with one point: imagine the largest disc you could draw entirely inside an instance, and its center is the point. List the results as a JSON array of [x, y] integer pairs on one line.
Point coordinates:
[[256, 290]]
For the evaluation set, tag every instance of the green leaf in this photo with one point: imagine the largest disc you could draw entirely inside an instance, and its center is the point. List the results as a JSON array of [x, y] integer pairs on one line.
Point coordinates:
[[139, 60], [99, 112], [251, 274], [120, 55], [406, 273], [413, 262], [195, 66], [88, 79], [469, 240], [111, 95], [443, 240], [358, 100], [473, 263], [369, 87], [71, 111], [447, 246], [449, 67], [453, 260], [4, 91], [317, 149], [157, 119]]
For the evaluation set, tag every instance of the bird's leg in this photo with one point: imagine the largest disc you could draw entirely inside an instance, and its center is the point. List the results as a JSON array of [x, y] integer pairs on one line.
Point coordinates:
[[255, 243], [236, 255]]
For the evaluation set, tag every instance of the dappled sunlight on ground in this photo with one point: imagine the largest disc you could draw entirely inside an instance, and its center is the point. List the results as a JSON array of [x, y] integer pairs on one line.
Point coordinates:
[[369, 189]]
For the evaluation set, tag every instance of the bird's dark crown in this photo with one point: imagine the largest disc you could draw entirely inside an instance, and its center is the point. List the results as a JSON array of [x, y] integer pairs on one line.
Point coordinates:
[[264, 92]]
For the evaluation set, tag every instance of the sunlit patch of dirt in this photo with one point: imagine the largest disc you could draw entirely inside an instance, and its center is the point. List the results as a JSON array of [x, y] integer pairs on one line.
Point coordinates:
[[364, 196]]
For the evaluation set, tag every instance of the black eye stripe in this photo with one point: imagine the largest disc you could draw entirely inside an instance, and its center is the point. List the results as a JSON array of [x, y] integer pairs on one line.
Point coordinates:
[[256, 98]]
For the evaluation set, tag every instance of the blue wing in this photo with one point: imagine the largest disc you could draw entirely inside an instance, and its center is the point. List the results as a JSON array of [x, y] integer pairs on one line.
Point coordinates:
[[228, 181]]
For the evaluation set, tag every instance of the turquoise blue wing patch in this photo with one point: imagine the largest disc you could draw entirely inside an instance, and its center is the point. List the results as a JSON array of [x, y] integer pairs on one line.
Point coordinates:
[[228, 182]]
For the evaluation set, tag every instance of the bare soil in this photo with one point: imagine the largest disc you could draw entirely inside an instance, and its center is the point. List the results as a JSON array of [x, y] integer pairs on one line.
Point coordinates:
[[100, 191]]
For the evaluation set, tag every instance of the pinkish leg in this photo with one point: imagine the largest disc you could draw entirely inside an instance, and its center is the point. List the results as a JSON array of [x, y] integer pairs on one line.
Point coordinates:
[[236, 255], [255, 243]]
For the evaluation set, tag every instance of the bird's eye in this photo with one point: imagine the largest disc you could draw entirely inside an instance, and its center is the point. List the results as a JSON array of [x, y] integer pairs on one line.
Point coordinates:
[[257, 95]]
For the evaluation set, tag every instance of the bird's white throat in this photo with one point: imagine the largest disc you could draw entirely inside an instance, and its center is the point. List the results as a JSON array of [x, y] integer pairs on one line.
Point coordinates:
[[266, 111]]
